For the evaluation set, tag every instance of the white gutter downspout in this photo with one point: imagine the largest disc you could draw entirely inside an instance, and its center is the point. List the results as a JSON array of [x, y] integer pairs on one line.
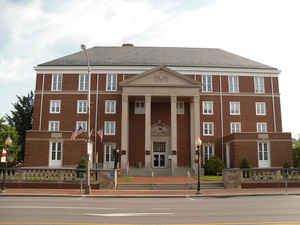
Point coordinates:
[[274, 114], [222, 127], [41, 107]]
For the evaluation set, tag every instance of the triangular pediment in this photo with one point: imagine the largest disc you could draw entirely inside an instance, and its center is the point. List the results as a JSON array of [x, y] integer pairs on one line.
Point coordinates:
[[160, 76]]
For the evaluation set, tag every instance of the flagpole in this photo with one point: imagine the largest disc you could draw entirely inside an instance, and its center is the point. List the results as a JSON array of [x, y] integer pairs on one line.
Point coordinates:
[[88, 169]]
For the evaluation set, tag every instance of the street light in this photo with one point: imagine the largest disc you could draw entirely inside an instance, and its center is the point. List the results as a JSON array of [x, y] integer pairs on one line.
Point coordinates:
[[198, 144], [8, 143], [89, 142]]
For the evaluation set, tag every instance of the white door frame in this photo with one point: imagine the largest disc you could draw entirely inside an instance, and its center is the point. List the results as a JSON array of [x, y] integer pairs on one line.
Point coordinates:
[[55, 163], [159, 153], [111, 161], [264, 163]]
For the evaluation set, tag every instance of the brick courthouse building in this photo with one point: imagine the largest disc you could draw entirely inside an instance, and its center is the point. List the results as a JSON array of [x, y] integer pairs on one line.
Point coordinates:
[[153, 103]]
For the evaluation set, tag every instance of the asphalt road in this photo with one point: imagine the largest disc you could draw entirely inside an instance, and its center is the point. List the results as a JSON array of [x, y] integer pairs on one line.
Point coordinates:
[[238, 210]]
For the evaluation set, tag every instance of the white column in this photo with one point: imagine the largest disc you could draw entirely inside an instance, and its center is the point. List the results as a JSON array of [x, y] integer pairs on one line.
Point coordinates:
[[148, 131], [174, 131], [192, 127], [195, 126], [124, 132]]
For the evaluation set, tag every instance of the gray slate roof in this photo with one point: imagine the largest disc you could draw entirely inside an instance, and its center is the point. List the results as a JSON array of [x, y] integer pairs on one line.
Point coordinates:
[[156, 56]]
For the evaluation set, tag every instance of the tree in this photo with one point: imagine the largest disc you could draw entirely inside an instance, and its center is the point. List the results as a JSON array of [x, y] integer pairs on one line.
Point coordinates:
[[214, 166], [8, 131], [21, 119]]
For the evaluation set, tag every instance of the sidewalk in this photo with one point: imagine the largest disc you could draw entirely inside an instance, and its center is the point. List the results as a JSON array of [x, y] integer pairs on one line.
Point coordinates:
[[151, 193]]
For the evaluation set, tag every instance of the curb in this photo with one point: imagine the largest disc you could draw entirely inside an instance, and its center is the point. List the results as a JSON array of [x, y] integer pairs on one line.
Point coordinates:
[[150, 196]]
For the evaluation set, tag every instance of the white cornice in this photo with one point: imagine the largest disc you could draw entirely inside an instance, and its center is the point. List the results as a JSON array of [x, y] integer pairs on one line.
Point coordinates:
[[141, 69]]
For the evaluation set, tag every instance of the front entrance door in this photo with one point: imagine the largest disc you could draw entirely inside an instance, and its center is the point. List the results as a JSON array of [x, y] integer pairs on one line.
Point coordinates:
[[55, 154], [263, 155], [109, 156], [159, 154]]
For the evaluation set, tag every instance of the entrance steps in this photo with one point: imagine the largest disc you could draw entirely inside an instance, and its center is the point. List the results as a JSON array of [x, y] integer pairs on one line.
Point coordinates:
[[187, 186], [148, 172]]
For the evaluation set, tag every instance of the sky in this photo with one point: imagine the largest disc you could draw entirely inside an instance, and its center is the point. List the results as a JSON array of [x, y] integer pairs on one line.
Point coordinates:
[[36, 31]]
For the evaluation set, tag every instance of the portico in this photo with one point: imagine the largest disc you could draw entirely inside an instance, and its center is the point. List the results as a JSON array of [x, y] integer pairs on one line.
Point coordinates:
[[161, 139]]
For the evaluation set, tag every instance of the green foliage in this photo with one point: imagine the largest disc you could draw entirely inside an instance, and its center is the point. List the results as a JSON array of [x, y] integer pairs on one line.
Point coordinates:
[[82, 164], [21, 119], [245, 163], [296, 156], [213, 166], [286, 165]]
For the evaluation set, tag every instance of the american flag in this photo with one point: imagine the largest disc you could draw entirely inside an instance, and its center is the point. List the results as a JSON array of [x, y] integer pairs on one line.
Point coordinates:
[[100, 133], [76, 132]]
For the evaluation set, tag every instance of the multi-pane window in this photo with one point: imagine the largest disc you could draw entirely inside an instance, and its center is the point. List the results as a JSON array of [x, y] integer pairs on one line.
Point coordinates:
[[263, 151], [208, 151], [82, 106], [109, 127], [261, 127], [234, 108], [259, 84], [139, 107], [180, 107], [82, 125], [207, 83], [110, 106], [208, 107], [53, 126], [111, 82], [208, 129], [56, 82], [260, 108], [55, 106], [83, 82], [55, 150], [233, 83], [235, 127]]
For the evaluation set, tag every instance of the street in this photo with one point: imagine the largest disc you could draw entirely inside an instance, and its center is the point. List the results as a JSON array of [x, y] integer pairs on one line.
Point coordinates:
[[81, 210]]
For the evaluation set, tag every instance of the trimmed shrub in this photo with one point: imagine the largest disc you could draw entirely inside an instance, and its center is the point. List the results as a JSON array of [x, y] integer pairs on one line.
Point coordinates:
[[286, 165], [213, 166], [245, 163]]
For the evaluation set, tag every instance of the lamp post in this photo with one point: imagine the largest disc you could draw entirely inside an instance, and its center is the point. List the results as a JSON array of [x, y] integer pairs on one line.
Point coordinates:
[[198, 151], [8, 143], [89, 142]]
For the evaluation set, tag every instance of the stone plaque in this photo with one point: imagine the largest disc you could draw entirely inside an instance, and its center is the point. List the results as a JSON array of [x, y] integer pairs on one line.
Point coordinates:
[[263, 136], [56, 135]]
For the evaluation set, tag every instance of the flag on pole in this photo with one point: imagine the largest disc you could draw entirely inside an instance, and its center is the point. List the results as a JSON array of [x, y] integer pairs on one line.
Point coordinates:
[[76, 132], [100, 133]]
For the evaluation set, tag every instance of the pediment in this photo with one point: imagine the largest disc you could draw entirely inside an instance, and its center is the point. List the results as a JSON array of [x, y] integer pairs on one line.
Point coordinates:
[[160, 76]]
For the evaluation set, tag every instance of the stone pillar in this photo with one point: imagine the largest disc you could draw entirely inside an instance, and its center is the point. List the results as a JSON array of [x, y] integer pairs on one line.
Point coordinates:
[[124, 132], [195, 127], [174, 131], [148, 131]]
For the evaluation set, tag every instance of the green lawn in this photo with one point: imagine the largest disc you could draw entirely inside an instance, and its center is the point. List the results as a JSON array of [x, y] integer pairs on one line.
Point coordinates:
[[125, 178], [209, 178]]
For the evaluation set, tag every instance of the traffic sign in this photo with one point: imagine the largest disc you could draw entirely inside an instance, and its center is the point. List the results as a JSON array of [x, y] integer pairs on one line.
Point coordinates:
[[3, 155]]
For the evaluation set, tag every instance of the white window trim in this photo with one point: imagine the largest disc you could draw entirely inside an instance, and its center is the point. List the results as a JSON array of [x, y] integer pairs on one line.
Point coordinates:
[[112, 74], [203, 151], [110, 133], [238, 85], [203, 107], [207, 83], [256, 109], [50, 151], [135, 107], [259, 124], [54, 121], [109, 102], [208, 123], [256, 78], [52, 102], [269, 152], [235, 123], [56, 88], [86, 76], [78, 106], [179, 109], [78, 123], [232, 103]]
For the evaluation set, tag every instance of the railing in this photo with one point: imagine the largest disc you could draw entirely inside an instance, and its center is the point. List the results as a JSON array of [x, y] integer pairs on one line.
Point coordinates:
[[271, 175], [48, 175]]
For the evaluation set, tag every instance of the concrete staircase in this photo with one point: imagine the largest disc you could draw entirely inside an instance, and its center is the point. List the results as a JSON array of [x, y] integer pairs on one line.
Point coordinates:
[[148, 172], [187, 186]]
